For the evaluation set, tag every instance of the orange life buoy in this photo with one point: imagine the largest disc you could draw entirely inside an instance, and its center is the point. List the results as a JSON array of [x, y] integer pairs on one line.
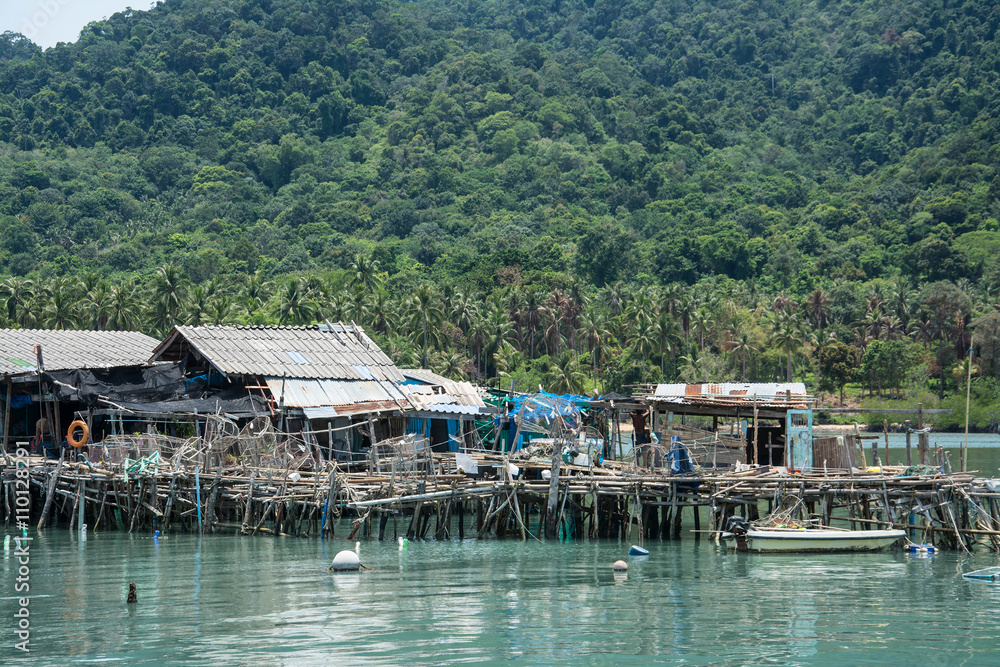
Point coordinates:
[[83, 440]]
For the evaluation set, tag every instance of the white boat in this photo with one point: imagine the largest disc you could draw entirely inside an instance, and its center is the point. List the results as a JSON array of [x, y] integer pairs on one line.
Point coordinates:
[[745, 537], [800, 540]]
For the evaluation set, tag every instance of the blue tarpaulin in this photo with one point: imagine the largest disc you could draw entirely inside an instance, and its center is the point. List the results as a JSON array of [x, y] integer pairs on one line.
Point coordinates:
[[16, 400], [680, 459]]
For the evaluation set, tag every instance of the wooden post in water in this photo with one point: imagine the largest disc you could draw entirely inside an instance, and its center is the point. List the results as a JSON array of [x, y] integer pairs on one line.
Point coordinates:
[[885, 432], [551, 516], [968, 388], [923, 448], [50, 495], [908, 430]]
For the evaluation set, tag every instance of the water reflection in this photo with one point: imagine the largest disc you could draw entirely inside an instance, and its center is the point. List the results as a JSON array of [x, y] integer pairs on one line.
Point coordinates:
[[247, 600]]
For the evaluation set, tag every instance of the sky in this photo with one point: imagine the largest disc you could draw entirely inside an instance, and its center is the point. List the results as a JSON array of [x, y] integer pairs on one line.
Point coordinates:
[[47, 22]]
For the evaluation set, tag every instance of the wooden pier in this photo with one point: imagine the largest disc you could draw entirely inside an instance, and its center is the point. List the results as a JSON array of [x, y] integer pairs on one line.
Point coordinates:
[[432, 495]]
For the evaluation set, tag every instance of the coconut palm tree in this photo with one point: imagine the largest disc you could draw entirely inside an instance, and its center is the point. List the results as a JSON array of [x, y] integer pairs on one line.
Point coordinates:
[[644, 340], [742, 344], [15, 292], [476, 340], [97, 305], [122, 307], [256, 291], [223, 309], [365, 273], [788, 336], [427, 315], [295, 304], [60, 308], [168, 295], [565, 376], [359, 298], [817, 305], [499, 332], [383, 312], [198, 306], [463, 311], [702, 321], [594, 331], [453, 366], [532, 311]]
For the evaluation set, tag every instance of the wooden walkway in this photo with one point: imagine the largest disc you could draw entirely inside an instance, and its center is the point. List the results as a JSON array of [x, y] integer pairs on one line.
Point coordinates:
[[431, 498]]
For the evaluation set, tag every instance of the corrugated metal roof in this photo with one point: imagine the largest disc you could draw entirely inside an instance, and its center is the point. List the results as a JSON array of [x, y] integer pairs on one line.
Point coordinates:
[[424, 375], [338, 351], [311, 393], [438, 389], [325, 412], [453, 409], [66, 350], [760, 390]]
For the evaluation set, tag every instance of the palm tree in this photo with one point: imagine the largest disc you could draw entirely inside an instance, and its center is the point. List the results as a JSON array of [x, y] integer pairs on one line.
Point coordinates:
[[223, 309], [555, 312], [594, 330], [817, 305], [961, 373], [789, 336], [666, 329], [506, 359], [532, 311], [672, 297], [59, 311], [365, 273], [565, 375], [97, 305], [295, 304], [168, 294], [198, 306], [701, 320], [359, 298], [742, 344], [644, 341], [499, 331], [382, 312], [476, 339], [256, 290], [463, 311], [122, 308], [615, 296], [427, 312], [453, 366], [15, 293]]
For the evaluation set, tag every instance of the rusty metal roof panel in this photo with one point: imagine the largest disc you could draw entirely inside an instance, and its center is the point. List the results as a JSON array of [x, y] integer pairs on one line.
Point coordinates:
[[66, 350], [758, 390]]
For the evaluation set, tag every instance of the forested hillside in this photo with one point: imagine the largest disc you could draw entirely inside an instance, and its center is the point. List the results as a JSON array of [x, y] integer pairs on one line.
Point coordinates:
[[624, 190]]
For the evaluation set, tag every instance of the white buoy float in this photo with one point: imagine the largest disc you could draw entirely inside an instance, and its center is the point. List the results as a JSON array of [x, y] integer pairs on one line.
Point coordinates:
[[619, 566], [346, 561]]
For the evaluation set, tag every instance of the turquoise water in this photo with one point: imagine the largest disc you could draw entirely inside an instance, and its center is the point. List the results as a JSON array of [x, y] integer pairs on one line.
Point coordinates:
[[258, 600], [224, 600]]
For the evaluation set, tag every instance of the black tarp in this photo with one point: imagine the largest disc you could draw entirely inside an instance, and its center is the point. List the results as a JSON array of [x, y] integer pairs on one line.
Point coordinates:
[[133, 384], [234, 401]]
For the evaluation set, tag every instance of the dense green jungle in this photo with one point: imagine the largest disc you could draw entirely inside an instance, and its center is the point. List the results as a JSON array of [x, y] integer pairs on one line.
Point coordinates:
[[582, 194]]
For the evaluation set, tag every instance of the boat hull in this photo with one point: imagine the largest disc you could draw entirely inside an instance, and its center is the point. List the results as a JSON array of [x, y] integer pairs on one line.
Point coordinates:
[[819, 540]]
